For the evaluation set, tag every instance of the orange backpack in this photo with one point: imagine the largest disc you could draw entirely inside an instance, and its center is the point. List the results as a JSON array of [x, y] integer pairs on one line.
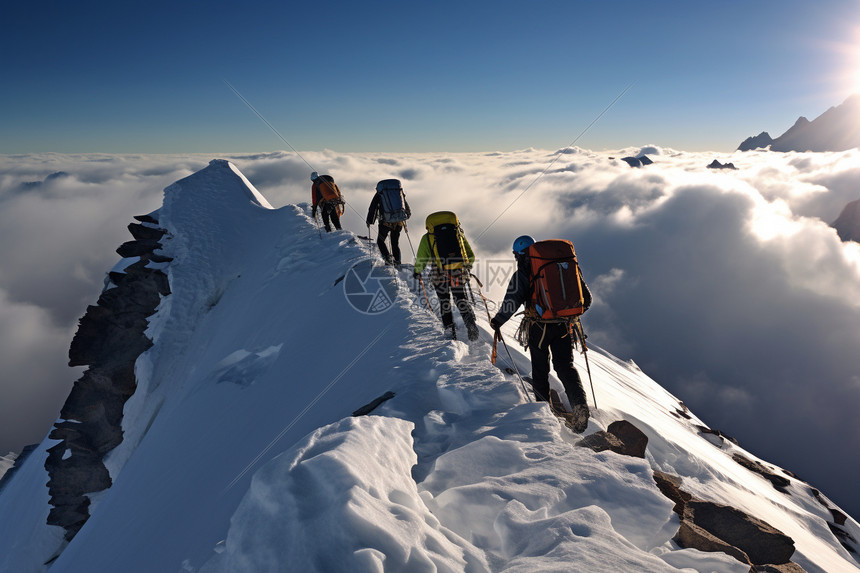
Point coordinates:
[[330, 191], [555, 279]]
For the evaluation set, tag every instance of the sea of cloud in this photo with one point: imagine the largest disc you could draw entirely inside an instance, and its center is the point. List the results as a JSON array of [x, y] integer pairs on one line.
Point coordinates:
[[727, 286]]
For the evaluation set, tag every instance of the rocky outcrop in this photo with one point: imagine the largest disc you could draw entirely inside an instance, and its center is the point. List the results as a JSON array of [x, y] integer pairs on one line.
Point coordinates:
[[837, 524], [110, 338], [716, 435], [847, 225], [717, 165], [759, 141], [779, 483], [762, 543], [708, 526], [639, 161], [621, 437]]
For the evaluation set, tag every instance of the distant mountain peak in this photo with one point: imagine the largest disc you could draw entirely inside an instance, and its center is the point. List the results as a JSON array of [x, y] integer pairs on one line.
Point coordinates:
[[847, 225], [837, 129]]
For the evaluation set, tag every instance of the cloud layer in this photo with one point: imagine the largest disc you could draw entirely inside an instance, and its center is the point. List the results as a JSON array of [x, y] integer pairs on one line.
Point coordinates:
[[728, 287]]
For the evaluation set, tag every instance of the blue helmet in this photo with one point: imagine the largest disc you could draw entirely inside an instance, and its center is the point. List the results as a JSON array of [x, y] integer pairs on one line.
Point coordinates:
[[522, 243]]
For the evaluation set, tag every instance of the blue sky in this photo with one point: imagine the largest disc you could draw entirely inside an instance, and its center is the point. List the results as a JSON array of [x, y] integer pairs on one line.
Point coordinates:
[[409, 76]]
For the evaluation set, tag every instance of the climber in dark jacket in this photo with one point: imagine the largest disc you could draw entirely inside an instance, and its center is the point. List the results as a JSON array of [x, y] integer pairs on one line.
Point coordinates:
[[375, 212], [545, 339]]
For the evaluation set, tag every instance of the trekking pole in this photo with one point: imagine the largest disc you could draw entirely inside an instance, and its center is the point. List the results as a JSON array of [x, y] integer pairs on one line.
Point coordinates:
[[406, 229], [514, 364], [497, 335], [581, 334]]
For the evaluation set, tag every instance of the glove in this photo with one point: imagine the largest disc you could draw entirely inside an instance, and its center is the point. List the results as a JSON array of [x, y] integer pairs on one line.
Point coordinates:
[[495, 325], [314, 211], [416, 275]]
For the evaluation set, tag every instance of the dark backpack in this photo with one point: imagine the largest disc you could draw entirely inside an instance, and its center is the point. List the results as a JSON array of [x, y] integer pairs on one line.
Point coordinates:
[[555, 280], [446, 240], [392, 201]]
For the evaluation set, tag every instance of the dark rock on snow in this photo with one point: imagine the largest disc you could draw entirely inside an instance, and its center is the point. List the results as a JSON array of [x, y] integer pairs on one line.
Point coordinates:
[[718, 433], [779, 482], [111, 336], [621, 437], [758, 540], [708, 526]]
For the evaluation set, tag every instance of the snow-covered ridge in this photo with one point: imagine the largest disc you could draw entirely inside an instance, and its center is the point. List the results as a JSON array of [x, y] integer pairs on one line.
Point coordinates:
[[240, 453]]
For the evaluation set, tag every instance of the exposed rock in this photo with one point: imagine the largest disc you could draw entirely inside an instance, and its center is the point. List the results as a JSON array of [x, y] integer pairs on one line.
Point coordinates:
[[692, 536], [709, 526], [638, 161], [601, 441], [110, 338], [845, 538], [759, 141], [847, 225], [762, 543], [707, 430], [790, 567], [717, 165], [635, 441], [839, 518], [779, 482], [670, 486], [621, 437], [371, 406], [147, 219], [836, 526]]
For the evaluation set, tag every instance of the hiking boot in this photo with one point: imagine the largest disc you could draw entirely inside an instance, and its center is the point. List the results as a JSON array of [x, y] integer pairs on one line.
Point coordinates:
[[472, 330], [580, 418], [555, 402]]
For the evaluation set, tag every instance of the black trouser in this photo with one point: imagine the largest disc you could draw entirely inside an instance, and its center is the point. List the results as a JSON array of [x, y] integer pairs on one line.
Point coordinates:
[[329, 211], [447, 285], [556, 340], [384, 230]]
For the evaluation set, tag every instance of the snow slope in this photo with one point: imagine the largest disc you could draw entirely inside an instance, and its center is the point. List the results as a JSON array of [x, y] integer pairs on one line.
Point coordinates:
[[240, 453]]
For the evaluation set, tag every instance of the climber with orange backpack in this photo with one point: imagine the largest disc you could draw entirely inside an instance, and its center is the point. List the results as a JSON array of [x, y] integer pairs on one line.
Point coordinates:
[[446, 250], [549, 283], [326, 195]]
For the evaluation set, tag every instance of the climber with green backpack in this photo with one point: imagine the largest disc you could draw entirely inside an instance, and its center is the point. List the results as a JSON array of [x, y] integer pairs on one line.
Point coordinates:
[[549, 283], [446, 250]]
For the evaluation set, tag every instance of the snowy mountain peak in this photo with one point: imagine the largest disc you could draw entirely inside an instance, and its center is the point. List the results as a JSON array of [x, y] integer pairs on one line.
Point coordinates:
[[834, 130], [239, 450]]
